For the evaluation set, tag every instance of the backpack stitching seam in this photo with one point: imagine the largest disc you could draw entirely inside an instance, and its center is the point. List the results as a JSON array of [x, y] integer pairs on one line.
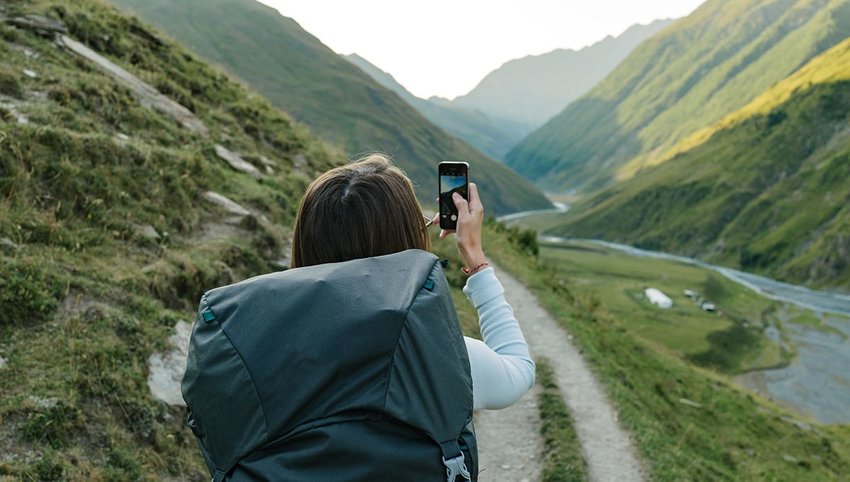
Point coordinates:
[[398, 338], [251, 378]]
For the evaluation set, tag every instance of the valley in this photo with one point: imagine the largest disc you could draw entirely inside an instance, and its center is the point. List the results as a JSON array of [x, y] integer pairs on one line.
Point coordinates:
[[134, 176], [787, 342]]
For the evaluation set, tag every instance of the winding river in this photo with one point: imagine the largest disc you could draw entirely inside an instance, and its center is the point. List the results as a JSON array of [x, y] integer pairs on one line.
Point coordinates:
[[817, 382]]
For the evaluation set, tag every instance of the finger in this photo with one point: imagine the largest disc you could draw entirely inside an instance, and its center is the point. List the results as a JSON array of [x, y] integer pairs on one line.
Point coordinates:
[[436, 219], [461, 204], [444, 233], [474, 198]]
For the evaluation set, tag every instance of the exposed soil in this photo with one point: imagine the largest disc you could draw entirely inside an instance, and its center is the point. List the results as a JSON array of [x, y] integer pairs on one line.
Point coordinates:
[[505, 435]]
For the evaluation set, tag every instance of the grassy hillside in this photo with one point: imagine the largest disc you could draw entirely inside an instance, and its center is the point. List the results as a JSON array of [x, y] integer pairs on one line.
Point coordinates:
[[107, 241], [470, 125], [338, 101], [534, 88], [765, 189], [690, 75]]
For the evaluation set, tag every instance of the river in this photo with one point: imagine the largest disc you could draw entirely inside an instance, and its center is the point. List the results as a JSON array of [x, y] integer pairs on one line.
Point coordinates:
[[817, 382]]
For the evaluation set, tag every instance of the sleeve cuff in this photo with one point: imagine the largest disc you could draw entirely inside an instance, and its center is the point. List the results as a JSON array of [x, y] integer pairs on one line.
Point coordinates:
[[483, 286]]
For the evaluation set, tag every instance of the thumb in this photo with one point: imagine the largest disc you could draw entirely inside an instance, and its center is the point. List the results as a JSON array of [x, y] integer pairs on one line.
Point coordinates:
[[460, 203]]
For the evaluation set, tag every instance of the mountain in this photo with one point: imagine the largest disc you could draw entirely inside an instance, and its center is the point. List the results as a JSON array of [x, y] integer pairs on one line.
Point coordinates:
[[470, 125], [532, 89], [688, 76], [767, 188], [337, 100]]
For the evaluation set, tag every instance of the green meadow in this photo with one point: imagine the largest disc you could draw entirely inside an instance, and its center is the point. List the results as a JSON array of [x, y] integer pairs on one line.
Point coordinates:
[[688, 422]]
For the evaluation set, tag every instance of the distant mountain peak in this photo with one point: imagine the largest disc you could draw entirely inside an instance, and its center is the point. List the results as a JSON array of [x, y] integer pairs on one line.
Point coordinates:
[[534, 88]]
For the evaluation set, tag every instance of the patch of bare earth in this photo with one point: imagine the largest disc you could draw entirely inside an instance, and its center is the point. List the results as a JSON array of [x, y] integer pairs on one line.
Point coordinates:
[[503, 435]]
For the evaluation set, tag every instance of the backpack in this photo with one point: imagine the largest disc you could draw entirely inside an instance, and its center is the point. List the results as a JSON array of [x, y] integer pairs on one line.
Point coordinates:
[[341, 371]]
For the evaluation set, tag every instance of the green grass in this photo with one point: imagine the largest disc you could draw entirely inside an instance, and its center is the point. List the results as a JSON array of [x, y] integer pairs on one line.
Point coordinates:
[[767, 192], [562, 455], [94, 298], [736, 435], [731, 340], [687, 77], [336, 99], [470, 125], [84, 298]]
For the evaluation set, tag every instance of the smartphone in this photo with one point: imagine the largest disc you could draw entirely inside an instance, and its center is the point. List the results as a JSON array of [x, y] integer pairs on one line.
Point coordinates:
[[454, 178]]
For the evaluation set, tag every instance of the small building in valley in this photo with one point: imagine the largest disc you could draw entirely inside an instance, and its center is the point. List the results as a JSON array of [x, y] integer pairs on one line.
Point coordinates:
[[657, 298]]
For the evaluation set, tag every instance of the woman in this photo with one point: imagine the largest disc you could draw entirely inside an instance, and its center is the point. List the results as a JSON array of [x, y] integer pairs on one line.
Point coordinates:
[[368, 208], [351, 365]]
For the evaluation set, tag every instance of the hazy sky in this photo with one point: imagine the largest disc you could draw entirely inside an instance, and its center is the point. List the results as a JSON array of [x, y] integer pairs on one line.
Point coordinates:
[[445, 47]]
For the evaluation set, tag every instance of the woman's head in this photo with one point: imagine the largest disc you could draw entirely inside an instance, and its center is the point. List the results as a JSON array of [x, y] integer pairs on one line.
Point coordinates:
[[366, 208]]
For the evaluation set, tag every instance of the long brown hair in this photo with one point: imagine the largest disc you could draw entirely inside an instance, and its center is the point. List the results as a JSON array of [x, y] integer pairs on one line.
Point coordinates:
[[366, 208]]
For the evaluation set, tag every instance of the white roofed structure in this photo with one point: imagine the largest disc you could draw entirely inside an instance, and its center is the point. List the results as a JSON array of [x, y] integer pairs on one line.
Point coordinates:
[[657, 298]]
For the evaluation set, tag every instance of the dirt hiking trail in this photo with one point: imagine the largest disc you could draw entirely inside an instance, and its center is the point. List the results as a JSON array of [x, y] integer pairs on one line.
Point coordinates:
[[510, 438]]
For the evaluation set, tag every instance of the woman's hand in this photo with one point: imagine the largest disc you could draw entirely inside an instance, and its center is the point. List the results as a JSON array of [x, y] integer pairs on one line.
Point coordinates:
[[470, 217]]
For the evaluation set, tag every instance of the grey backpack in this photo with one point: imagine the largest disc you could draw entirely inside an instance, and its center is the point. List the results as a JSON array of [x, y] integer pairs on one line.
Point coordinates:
[[341, 371]]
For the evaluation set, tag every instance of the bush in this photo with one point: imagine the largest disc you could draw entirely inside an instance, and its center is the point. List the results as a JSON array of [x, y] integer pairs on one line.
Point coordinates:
[[51, 425], [28, 292], [9, 85]]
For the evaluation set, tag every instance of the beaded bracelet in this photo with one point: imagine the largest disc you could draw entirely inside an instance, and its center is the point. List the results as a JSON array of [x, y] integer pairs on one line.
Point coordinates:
[[470, 272]]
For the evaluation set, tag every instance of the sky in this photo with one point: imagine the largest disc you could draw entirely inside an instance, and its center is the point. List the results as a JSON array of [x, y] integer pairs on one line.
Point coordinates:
[[445, 47]]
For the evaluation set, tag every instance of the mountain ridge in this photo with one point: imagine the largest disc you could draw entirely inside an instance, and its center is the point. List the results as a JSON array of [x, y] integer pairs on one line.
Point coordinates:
[[764, 189], [472, 126], [337, 100], [548, 82], [697, 70]]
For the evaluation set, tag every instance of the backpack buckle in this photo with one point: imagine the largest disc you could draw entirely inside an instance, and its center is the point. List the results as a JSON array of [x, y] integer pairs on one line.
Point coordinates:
[[455, 467]]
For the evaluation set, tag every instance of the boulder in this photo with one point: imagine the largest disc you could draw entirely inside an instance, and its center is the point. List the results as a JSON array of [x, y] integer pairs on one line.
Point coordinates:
[[146, 231], [147, 95], [236, 161], [230, 206], [39, 23], [166, 369]]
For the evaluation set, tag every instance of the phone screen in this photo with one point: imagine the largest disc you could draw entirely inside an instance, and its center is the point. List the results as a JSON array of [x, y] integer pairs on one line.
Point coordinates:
[[454, 178]]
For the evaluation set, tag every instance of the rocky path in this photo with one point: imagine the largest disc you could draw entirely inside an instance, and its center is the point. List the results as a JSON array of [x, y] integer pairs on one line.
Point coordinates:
[[504, 434], [509, 445]]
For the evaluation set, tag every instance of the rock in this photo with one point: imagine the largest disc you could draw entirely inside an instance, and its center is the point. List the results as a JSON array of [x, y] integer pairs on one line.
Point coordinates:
[[506, 467], [3, 362], [797, 423], [8, 243], [43, 403], [267, 162], [690, 403], [282, 263], [236, 161], [166, 369], [147, 95], [146, 231], [230, 206], [788, 458], [29, 73], [122, 137], [299, 161], [39, 23]]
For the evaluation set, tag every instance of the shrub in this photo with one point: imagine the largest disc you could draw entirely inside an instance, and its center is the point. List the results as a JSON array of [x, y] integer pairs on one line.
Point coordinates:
[[52, 425], [9, 85], [28, 291]]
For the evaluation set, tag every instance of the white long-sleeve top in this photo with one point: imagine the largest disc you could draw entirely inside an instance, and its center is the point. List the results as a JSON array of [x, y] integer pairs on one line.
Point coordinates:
[[502, 368]]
